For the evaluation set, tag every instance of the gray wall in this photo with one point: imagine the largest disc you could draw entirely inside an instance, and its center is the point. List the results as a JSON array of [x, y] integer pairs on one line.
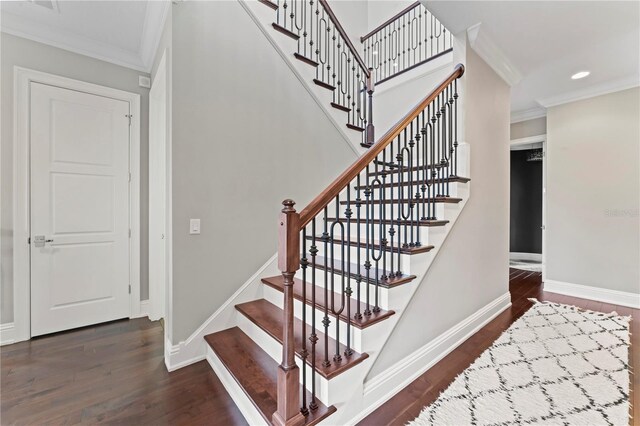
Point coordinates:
[[246, 135], [471, 269], [528, 128], [593, 189], [41, 57]]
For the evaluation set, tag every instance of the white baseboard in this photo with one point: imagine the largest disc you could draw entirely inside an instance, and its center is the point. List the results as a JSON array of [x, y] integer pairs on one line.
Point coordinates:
[[381, 388], [614, 297], [194, 348], [534, 257], [7, 334]]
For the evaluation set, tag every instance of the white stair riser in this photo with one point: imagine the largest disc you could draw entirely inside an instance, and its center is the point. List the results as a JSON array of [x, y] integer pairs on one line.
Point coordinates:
[[382, 291], [360, 338], [416, 188], [327, 391]]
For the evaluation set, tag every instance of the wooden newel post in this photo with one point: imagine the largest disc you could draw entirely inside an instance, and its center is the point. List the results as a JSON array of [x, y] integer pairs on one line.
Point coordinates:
[[370, 133], [288, 412]]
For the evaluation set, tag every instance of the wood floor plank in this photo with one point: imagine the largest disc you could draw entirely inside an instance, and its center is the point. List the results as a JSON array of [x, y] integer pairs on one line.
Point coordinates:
[[110, 373]]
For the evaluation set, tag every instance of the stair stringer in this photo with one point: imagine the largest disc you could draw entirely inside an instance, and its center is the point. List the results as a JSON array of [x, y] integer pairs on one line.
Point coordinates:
[[263, 16]]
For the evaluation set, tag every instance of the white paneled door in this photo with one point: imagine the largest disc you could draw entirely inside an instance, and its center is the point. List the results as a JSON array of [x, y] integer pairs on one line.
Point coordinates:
[[79, 209]]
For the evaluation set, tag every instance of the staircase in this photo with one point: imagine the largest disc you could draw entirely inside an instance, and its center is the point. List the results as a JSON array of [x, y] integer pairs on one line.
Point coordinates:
[[350, 261]]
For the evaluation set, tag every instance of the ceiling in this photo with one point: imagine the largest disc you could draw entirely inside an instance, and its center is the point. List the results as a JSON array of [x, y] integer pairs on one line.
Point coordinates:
[[538, 45], [126, 33]]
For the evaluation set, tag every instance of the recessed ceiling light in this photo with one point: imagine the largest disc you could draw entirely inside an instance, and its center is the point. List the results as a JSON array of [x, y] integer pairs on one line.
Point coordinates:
[[395, 64], [375, 52], [579, 75]]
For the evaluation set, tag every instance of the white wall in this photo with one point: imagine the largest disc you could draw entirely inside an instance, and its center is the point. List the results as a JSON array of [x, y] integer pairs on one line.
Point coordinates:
[[394, 98], [379, 11], [246, 135], [528, 128], [593, 192], [16, 51], [352, 15], [471, 269]]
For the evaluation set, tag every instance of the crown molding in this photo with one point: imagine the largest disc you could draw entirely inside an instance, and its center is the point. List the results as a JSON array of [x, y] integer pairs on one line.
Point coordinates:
[[528, 114], [140, 60], [488, 50], [154, 20], [624, 83]]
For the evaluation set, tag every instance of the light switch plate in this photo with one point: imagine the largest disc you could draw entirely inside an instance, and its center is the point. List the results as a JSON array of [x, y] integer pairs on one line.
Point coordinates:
[[194, 226]]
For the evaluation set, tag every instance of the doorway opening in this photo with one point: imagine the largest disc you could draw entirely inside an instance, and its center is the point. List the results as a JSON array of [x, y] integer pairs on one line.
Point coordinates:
[[526, 222]]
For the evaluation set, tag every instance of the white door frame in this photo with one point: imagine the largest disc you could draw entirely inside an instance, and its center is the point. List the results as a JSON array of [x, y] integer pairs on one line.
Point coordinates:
[[23, 78], [159, 87], [528, 141]]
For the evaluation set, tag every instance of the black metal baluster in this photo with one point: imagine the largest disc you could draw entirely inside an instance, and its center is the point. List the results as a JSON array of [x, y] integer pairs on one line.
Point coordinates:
[[367, 264], [313, 338], [443, 143], [304, 354], [383, 220], [376, 258], [358, 314], [416, 213], [432, 163], [449, 137], [326, 321], [392, 231], [348, 213], [336, 312], [455, 126]]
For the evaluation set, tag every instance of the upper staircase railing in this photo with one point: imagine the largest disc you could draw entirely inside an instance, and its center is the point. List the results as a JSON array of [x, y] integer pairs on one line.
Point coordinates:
[[386, 196], [405, 41], [323, 42]]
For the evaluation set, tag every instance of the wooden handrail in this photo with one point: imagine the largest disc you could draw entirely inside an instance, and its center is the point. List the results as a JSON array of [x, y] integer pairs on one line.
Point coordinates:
[[390, 20], [344, 35], [326, 196]]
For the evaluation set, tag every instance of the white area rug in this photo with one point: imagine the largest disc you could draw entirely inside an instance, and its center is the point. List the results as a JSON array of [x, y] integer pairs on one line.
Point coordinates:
[[556, 365]]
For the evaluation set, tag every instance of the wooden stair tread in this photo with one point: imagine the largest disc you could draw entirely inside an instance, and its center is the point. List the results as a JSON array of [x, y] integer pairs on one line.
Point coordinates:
[[354, 269], [277, 283], [340, 107], [446, 200], [269, 318], [375, 244], [430, 222], [323, 84], [305, 59], [256, 372], [418, 183], [269, 3], [285, 31], [354, 127]]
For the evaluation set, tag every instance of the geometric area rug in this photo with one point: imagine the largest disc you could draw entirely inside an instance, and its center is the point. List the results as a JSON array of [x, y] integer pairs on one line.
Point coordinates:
[[556, 365]]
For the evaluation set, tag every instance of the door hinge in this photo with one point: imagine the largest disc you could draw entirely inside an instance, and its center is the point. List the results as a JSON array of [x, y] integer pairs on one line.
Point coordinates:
[[129, 232], [129, 176], [29, 240], [129, 117], [129, 288]]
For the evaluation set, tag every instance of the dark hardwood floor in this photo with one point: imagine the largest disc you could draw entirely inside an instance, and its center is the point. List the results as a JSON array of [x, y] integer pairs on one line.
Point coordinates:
[[406, 405], [114, 373], [111, 373]]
